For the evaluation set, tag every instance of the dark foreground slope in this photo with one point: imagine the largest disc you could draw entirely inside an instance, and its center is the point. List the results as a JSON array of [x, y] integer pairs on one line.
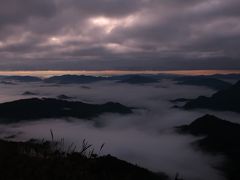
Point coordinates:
[[35, 108], [218, 137], [224, 100], [38, 161]]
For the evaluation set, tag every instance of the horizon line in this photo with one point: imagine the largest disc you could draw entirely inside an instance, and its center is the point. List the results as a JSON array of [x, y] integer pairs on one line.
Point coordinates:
[[47, 73]]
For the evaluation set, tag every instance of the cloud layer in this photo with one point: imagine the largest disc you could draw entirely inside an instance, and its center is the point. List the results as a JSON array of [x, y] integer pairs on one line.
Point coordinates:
[[119, 34], [145, 137]]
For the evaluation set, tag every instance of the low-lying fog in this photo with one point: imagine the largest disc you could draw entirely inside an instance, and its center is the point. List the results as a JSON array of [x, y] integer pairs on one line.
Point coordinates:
[[146, 137]]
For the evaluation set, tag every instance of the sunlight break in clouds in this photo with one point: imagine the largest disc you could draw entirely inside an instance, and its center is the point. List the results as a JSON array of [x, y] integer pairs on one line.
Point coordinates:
[[109, 24], [55, 40]]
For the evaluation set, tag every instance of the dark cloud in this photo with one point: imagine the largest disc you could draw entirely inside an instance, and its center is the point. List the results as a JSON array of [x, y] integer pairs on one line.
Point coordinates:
[[108, 34], [112, 8], [14, 11]]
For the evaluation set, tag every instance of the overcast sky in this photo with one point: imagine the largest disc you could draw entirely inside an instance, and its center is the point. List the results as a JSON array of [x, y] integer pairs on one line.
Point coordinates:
[[119, 34]]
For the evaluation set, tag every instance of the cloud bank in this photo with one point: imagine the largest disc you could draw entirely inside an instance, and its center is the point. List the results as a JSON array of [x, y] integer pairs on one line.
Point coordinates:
[[119, 34], [145, 137]]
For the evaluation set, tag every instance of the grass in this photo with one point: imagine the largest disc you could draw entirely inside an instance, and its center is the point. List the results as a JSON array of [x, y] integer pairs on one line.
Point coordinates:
[[48, 160]]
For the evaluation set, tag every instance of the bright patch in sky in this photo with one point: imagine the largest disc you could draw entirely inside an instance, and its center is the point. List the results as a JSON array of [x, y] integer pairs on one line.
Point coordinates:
[[55, 40], [108, 24]]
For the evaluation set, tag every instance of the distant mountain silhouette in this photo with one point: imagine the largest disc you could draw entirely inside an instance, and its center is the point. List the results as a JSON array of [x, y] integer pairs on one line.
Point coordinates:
[[226, 76], [224, 100], [82, 79], [85, 87], [205, 81], [138, 79], [35, 108], [64, 97], [218, 137], [29, 93], [7, 83], [21, 78], [180, 100], [73, 79]]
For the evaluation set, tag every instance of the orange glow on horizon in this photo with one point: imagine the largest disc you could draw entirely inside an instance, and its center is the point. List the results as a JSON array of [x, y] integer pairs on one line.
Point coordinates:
[[48, 73]]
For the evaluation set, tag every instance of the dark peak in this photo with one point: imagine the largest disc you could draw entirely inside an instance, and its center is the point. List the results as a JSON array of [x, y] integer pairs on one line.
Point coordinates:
[[23, 78], [224, 100], [208, 117], [73, 76], [68, 79], [139, 79], [206, 81], [40, 108], [68, 75], [209, 124], [29, 93], [218, 137], [110, 103], [63, 96], [7, 82], [237, 84], [180, 100]]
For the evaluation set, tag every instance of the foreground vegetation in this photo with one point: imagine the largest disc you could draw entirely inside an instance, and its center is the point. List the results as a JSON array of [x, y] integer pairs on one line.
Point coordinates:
[[46, 161]]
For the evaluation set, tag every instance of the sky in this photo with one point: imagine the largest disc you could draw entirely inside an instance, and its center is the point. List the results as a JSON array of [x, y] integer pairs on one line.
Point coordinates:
[[119, 34]]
